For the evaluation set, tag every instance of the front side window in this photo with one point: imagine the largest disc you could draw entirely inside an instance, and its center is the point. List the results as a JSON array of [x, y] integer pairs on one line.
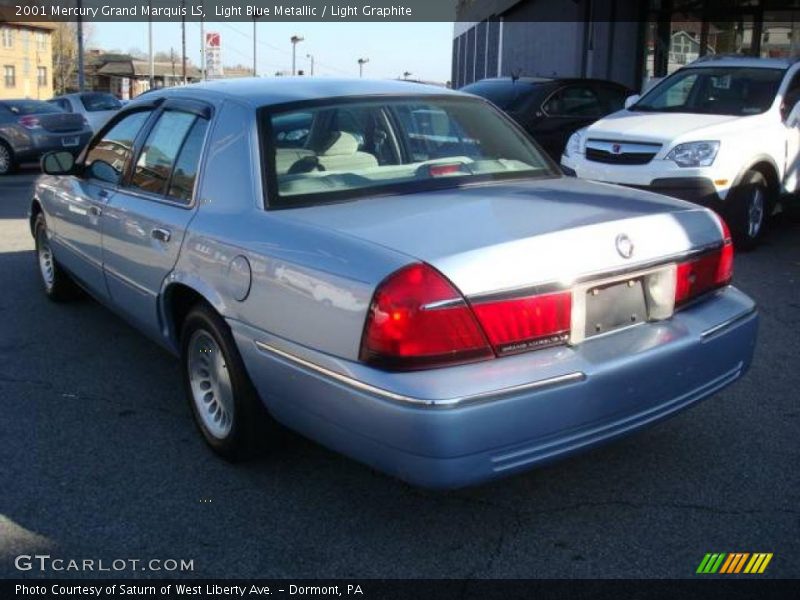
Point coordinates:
[[161, 149], [107, 158], [738, 91], [350, 148]]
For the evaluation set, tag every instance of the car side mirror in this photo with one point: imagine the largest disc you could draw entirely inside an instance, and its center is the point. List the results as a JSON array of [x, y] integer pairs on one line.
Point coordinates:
[[631, 100], [100, 169], [58, 162]]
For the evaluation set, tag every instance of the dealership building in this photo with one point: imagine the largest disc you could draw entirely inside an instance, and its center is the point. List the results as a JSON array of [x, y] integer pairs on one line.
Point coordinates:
[[628, 41]]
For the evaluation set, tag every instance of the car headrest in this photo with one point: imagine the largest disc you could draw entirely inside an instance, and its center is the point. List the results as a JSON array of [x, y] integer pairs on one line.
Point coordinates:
[[340, 143]]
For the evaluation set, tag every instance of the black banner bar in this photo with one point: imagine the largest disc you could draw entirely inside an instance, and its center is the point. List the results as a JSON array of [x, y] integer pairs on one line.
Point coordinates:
[[384, 589]]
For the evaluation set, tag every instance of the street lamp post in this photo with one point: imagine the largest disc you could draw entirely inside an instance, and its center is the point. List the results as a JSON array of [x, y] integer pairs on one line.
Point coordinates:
[[295, 39], [311, 57], [361, 63]]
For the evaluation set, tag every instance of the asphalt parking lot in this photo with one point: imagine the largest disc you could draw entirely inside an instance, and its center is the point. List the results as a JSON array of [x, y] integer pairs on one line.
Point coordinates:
[[99, 459]]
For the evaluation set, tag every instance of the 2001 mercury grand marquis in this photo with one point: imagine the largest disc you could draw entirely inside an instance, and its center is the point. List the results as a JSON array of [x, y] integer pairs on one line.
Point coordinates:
[[393, 270]]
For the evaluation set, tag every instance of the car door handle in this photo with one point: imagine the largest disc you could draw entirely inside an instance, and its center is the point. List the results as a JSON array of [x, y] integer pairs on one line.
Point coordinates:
[[162, 235], [95, 211]]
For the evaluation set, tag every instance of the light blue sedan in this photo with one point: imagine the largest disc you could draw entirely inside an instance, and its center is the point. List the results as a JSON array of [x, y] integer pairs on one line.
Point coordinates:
[[393, 270]]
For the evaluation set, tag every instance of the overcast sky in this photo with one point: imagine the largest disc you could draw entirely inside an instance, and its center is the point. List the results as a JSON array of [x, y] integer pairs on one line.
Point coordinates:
[[424, 49]]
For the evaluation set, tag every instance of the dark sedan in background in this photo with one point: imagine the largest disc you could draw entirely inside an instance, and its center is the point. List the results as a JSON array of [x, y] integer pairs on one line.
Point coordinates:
[[551, 110], [29, 128]]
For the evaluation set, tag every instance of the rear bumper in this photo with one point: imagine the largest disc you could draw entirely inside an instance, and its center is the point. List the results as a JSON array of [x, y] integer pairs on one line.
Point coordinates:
[[626, 381]]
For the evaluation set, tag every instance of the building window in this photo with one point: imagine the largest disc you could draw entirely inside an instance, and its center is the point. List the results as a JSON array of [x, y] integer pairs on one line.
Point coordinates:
[[8, 37], [41, 40], [41, 75], [10, 76]]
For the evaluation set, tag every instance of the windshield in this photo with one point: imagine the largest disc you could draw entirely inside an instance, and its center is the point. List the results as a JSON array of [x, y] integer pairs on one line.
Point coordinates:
[[507, 95], [349, 148], [739, 91], [31, 107], [99, 101]]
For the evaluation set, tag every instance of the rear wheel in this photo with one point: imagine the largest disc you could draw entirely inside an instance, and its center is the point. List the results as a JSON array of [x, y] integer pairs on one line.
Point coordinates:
[[749, 205], [7, 161], [225, 405], [56, 283]]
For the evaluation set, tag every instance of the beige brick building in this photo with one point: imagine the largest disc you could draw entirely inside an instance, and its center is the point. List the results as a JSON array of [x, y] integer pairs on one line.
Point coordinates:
[[26, 60]]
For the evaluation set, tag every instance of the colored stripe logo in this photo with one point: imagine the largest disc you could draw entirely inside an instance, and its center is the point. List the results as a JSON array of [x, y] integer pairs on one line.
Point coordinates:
[[734, 562]]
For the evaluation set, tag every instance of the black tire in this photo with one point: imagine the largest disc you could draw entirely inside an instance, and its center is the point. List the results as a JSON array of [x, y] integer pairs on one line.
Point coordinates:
[[57, 284], [749, 205], [252, 430], [8, 162]]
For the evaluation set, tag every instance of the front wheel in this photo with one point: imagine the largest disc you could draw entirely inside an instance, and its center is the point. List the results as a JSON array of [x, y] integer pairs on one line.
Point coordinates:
[[225, 405], [749, 204], [56, 283]]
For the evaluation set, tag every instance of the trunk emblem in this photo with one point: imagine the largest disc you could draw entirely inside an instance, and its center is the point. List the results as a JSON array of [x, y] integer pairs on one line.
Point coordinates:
[[616, 148], [624, 246]]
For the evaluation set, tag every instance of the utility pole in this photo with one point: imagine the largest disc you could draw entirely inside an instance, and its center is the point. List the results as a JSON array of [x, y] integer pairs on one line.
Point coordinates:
[[202, 50], [295, 39], [361, 63], [81, 74], [311, 56], [255, 71], [151, 60], [183, 43]]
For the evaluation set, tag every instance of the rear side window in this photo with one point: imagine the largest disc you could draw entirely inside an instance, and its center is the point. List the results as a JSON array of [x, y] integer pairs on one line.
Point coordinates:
[[116, 146], [181, 186]]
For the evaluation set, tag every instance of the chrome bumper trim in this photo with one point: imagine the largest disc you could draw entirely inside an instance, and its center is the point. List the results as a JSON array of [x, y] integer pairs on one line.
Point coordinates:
[[422, 402]]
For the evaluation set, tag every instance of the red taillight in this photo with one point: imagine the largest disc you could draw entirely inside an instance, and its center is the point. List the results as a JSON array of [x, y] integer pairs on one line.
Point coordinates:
[[709, 272], [526, 323], [30, 122], [418, 319]]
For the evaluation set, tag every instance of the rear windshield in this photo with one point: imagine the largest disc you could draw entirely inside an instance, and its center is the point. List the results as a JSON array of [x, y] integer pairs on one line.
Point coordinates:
[[504, 94], [386, 146], [30, 107], [99, 101]]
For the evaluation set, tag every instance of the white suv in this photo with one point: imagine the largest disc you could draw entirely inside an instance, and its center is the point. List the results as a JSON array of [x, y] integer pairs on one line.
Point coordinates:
[[722, 132]]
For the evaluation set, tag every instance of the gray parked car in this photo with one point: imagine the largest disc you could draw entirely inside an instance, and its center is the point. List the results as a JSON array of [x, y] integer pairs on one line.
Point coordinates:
[[394, 271], [96, 107], [29, 128]]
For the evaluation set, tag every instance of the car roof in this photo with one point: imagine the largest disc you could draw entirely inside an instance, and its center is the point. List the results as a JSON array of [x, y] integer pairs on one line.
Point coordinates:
[[258, 91], [727, 60]]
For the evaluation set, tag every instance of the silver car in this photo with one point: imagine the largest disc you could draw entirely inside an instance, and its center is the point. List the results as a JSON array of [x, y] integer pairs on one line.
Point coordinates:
[[30, 128], [393, 270], [96, 107]]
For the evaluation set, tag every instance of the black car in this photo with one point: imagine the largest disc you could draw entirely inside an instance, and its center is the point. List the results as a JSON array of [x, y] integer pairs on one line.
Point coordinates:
[[552, 109]]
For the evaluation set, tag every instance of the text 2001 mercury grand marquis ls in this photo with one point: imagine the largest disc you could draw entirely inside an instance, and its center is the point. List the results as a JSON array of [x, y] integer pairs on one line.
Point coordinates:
[[395, 271]]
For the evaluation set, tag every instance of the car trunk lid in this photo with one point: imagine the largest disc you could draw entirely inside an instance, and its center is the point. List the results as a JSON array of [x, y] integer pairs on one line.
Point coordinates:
[[504, 237]]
